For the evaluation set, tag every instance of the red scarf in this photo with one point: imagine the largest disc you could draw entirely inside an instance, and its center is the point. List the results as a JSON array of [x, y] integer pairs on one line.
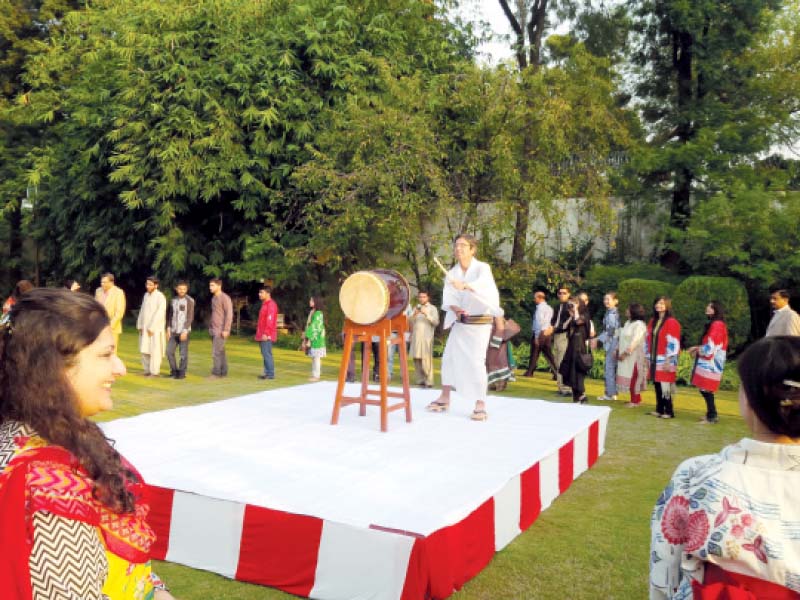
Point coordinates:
[[51, 479]]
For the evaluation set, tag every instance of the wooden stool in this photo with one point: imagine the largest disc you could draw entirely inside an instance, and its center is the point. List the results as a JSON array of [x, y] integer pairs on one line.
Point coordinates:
[[353, 333]]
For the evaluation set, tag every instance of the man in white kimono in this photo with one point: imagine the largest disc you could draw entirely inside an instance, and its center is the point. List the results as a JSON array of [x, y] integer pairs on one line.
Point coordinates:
[[424, 321], [471, 302], [151, 324]]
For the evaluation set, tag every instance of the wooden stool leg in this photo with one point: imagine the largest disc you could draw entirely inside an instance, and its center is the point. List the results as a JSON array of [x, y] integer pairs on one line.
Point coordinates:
[[337, 405], [384, 377], [366, 351], [404, 374]]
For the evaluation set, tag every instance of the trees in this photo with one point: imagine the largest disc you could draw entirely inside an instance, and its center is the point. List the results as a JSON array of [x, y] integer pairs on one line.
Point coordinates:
[[182, 122], [703, 95], [24, 25]]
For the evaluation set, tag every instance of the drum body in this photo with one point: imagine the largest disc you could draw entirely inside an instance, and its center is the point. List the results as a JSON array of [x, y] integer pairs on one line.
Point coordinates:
[[367, 297]]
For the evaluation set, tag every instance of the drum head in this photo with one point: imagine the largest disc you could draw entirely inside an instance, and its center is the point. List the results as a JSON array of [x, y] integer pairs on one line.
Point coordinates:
[[364, 298]]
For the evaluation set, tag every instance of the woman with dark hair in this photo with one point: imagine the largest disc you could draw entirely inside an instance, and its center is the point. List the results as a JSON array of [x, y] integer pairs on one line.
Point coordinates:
[[73, 509], [314, 336], [572, 369], [710, 358], [663, 347], [726, 525], [632, 365], [23, 286]]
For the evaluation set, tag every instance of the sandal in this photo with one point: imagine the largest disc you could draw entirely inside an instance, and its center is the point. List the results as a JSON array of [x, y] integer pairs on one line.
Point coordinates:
[[437, 406], [479, 415]]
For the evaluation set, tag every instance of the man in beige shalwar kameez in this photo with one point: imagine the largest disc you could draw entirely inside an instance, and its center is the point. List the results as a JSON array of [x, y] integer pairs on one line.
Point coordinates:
[[424, 321], [152, 323]]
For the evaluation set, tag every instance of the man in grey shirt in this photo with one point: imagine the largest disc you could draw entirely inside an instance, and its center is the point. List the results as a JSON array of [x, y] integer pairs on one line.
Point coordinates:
[[178, 329], [219, 328]]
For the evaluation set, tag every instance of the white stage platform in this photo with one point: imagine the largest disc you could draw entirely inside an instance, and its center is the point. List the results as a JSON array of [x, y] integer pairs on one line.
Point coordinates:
[[262, 488]]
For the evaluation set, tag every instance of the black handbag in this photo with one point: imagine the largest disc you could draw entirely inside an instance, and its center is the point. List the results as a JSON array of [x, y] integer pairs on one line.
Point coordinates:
[[585, 361]]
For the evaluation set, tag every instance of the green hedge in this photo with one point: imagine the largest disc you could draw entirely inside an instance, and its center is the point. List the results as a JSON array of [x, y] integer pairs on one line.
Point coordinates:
[[600, 279], [643, 291], [691, 297]]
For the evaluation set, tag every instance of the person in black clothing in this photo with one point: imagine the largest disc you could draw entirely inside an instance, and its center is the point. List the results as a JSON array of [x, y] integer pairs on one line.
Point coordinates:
[[558, 331], [578, 329]]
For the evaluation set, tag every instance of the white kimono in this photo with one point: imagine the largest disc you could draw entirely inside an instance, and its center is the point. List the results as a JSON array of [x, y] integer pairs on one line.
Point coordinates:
[[152, 317], [464, 358]]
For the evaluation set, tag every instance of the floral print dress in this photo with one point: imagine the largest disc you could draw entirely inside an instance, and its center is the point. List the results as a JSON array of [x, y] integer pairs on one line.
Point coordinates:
[[739, 509]]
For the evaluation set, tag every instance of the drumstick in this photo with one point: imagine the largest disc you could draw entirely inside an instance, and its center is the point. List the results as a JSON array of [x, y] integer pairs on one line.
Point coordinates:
[[450, 279], [441, 266]]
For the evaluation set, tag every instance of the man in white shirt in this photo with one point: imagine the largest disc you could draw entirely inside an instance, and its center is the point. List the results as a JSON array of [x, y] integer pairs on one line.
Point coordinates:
[[784, 321], [541, 343], [152, 323]]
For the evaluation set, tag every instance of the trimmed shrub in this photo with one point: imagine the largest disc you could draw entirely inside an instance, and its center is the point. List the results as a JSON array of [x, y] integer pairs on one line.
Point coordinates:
[[643, 291], [689, 303], [602, 278]]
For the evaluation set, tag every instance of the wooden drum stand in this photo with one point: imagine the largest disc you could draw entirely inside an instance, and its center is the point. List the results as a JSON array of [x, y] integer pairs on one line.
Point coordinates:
[[353, 333]]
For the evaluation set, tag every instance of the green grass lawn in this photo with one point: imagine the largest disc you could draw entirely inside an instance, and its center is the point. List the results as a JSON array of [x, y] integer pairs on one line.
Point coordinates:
[[591, 543]]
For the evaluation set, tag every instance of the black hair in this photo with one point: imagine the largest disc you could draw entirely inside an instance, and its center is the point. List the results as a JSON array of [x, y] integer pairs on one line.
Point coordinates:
[[667, 307], [47, 329], [719, 315], [770, 374], [637, 311]]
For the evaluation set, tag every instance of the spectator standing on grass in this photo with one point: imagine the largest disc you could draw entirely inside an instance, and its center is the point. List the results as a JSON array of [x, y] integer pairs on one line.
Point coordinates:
[[726, 526], [152, 323], [219, 328], [423, 322], [609, 339], [181, 318], [558, 331], [267, 330], [314, 336], [785, 321], [632, 364], [662, 350], [710, 358], [541, 342], [113, 299], [572, 369]]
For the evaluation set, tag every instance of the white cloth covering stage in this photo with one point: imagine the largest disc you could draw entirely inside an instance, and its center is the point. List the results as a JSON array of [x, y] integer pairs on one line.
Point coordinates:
[[277, 450]]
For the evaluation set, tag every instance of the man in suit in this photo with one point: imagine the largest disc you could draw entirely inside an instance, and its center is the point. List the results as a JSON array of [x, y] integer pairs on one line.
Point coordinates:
[[784, 320], [113, 298]]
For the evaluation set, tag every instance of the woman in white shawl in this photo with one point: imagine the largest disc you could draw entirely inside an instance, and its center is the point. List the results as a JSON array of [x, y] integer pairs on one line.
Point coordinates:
[[471, 302], [632, 365]]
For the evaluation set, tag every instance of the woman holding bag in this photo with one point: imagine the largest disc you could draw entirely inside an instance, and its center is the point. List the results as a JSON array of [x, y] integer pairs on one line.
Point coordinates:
[[577, 358]]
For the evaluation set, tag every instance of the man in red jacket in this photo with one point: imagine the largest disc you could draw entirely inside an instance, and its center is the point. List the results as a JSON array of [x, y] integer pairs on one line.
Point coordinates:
[[267, 330]]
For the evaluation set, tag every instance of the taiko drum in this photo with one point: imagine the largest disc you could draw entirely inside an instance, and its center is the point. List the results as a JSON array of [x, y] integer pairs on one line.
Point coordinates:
[[367, 297]]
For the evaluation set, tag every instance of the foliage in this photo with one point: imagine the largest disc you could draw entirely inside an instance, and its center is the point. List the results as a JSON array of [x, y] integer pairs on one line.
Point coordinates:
[[24, 25], [691, 297], [601, 278], [750, 234], [710, 103], [183, 127], [643, 291]]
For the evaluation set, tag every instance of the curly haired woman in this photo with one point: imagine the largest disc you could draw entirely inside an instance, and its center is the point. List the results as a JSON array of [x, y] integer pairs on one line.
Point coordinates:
[[73, 508]]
